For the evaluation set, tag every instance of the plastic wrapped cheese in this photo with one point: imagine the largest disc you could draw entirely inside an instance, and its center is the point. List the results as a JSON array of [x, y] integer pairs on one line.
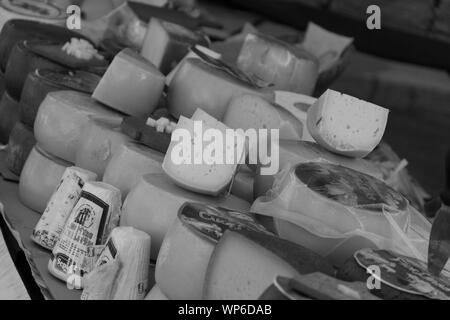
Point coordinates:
[[287, 68], [51, 224], [40, 176], [131, 85], [187, 248], [129, 164], [152, 206], [346, 125], [61, 119]]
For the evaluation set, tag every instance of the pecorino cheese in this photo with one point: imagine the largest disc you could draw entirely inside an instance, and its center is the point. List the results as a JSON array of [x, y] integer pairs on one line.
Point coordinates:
[[167, 43], [208, 86], [9, 115], [256, 259], [346, 125], [189, 244], [61, 119], [100, 140], [129, 164], [286, 67], [21, 142], [131, 85], [156, 294], [51, 224], [90, 223], [152, 206], [40, 176]]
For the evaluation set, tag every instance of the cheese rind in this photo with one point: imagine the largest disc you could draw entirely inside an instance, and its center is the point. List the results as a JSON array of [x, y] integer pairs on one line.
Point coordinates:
[[131, 85], [61, 119], [21, 142], [346, 125]]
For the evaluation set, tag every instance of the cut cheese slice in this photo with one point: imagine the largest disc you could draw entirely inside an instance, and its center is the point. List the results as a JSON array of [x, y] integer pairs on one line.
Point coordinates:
[[131, 85], [9, 115], [51, 224], [156, 294], [99, 142], [207, 119], [167, 43], [40, 176], [242, 185], [346, 125], [245, 263], [21, 142], [153, 204], [287, 68], [129, 164], [61, 119]]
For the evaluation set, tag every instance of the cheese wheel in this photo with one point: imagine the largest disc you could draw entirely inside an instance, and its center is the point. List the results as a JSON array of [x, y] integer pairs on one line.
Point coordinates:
[[131, 85], [100, 140], [286, 67], [23, 60], [166, 43], [242, 185], [40, 176], [152, 206], [201, 85], [9, 115], [21, 141], [40, 82], [156, 294], [61, 119], [189, 244], [346, 125], [89, 224], [51, 224], [129, 164]]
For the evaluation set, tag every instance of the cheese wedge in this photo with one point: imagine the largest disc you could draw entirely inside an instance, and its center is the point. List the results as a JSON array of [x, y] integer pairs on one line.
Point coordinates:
[[346, 125], [156, 294], [129, 164], [152, 206], [131, 85], [21, 141], [61, 119]]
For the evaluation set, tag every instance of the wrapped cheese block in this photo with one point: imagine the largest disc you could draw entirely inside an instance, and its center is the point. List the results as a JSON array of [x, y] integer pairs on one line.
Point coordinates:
[[61, 119], [21, 142], [244, 264], [100, 140], [152, 206], [167, 43], [40, 82], [242, 185], [156, 294], [207, 85], [346, 125], [9, 115], [190, 169], [287, 68], [89, 224], [187, 248], [131, 85], [51, 224], [129, 164]]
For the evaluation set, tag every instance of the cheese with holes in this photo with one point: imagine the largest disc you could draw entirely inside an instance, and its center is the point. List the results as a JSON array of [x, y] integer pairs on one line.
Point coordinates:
[[131, 85], [152, 206], [346, 125], [156, 294], [9, 115], [255, 258], [243, 184], [166, 43], [21, 142], [40, 176], [61, 119], [51, 224], [199, 166], [129, 164], [100, 140], [286, 67], [187, 248], [198, 84]]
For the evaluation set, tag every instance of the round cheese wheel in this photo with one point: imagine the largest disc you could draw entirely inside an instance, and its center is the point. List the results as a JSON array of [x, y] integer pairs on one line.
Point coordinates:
[[129, 164], [61, 118], [21, 141], [9, 115], [40, 176], [40, 82], [22, 61], [100, 140], [152, 206]]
